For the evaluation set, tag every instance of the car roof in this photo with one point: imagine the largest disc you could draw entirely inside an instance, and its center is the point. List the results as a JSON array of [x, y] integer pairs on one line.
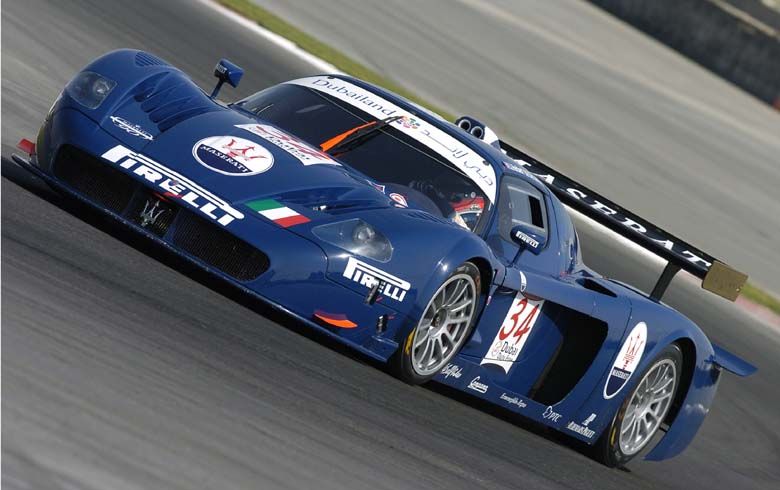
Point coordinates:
[[501, 163]]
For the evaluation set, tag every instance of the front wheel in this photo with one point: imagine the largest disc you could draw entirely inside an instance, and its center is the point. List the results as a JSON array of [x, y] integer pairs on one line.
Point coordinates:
[[642, 412], [443, 328]]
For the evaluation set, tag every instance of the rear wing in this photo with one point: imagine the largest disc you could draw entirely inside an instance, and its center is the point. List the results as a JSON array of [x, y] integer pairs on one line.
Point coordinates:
[[716, 276]]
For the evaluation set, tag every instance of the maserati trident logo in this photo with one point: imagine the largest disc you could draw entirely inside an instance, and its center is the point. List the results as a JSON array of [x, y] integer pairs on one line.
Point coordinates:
[[151, 213], [232, 150], [634, 344], [626, 361]]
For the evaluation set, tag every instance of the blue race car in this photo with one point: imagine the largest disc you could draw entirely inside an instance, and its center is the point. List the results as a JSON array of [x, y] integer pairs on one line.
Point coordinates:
[[431, 246]]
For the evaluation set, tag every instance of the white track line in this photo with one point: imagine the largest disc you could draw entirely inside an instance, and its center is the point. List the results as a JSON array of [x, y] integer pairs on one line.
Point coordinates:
[[324, 66]]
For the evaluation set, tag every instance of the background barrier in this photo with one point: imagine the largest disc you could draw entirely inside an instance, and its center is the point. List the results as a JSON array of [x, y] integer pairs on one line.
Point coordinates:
[[726, 38]]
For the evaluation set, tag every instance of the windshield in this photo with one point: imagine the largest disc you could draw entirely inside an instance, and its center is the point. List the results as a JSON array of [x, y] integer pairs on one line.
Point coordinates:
[[406, 170]]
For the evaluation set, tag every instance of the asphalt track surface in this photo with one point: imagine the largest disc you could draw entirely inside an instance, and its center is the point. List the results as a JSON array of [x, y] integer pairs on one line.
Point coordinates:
[[594, 97], [124, 369]]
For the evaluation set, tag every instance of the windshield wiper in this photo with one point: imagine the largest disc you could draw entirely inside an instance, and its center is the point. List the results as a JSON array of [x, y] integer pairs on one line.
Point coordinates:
[[348, 138]]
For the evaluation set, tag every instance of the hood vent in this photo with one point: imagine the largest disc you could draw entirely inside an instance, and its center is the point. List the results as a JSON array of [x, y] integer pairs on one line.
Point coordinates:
[[145, 59], [170, 98]]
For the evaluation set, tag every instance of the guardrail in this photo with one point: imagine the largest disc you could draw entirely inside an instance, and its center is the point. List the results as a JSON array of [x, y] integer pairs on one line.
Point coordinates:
[[714, 33]]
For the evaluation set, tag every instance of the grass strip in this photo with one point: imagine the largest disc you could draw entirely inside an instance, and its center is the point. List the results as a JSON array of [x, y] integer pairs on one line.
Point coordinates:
[[761, 297], [346, 64]]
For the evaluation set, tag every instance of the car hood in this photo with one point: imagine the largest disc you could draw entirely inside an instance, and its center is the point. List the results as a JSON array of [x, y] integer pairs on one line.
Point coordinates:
[[243, 160]]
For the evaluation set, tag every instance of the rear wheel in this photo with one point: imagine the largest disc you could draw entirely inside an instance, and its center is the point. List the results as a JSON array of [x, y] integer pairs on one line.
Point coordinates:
[[442, 330], [643, 410]]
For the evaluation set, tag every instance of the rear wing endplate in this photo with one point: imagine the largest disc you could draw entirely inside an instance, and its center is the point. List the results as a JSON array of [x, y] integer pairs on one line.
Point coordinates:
[[716, 276], [728, 361]]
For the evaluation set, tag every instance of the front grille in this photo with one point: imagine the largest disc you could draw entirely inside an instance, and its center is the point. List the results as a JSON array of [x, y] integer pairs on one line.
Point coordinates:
[[94, 179], [218, 248], [108, 187]]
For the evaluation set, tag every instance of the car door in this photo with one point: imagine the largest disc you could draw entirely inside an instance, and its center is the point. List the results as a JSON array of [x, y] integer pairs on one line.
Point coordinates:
[[530, 318]]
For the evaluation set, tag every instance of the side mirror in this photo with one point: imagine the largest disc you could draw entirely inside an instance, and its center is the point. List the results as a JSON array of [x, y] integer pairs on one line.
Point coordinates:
[[527, 238], [225, 71]]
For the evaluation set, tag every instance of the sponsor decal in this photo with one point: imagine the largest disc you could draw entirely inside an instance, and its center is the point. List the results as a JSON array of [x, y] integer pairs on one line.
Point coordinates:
[[230, 155], [304, 152], [574, 190], [278, 213], [452, 370], [550, 414], [514, 332], [130, 128], [627, 360], [399, 199], [174, 185], [588, 420], [582, 429], [367, 275], [353, 94], [513, 400], [452, 149], [517, 166], [408, 122], [525, 238], [478, 386]]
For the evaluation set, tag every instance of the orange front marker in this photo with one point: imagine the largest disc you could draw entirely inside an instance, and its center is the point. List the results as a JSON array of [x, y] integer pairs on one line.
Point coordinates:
[[334, 319]]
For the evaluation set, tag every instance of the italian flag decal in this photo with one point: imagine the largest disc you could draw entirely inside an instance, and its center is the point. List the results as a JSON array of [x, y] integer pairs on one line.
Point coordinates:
[[278, 213]]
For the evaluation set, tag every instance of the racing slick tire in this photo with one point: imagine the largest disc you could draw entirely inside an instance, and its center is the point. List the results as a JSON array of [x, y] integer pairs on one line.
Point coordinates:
[[445, 325], [643, 410]]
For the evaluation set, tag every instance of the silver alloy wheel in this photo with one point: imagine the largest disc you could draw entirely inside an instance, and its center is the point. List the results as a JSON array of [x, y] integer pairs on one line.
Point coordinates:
[[442, 328], [648, 406]]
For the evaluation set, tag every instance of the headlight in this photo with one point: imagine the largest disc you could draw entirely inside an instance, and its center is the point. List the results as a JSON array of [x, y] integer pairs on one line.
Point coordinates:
[[90, 89], [357, 237]]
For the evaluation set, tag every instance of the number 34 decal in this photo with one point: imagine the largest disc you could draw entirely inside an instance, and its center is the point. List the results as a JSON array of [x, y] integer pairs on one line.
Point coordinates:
[[514, 331]]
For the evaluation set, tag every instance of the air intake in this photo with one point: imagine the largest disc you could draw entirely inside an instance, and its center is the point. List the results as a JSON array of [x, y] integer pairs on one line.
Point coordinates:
[[145, 59], [93, 179], [218, 248], [170, 98]]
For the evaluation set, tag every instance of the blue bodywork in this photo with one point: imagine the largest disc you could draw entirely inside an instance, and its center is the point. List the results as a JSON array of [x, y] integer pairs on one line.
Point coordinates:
[[155, 114]]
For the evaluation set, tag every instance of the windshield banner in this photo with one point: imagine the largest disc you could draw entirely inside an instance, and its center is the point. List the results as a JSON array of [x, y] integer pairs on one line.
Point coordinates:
[[455, 152]]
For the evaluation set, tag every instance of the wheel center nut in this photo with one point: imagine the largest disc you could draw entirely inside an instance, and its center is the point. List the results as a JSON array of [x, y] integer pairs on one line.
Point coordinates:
[[440, 318]]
